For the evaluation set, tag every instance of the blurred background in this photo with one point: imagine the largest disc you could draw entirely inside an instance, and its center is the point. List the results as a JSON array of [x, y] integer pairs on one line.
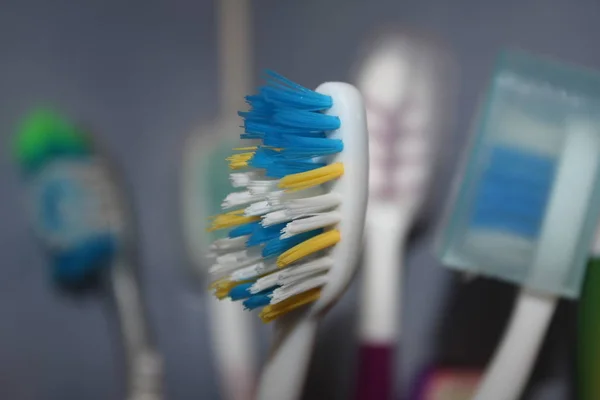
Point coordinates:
[[143, 75]]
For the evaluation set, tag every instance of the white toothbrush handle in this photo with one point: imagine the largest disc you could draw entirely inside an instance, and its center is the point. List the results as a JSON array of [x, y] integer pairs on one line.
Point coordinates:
[[381, 282], [507, 374], [380, 309], [284, 374], [144, 365], [233, 347]]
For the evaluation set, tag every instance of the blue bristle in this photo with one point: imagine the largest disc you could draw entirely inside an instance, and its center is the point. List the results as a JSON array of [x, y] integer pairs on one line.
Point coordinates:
[[259, 105], [284, 168], [285, 93], [306, 120], [263, 158], [302, 147], [277, 166], [240, 291], [258, 300], [275, 247], [78, 262], [258, 129], [263, 234], [521, 161], [514, 192], [288, 116], [243, 230]]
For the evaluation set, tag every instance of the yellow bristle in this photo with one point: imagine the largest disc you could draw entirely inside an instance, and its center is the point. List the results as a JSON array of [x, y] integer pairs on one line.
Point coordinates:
[[249, 148], [305, 180], [308, 247], [223, 286], [239, 161], [230, 219], [273, 311]]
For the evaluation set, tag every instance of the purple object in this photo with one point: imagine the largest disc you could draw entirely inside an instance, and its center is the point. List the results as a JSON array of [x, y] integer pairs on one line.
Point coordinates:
[[375, 372]]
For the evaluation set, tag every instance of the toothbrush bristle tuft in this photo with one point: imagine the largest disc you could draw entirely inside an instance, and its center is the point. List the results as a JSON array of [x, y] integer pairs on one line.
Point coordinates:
[[283, 218]]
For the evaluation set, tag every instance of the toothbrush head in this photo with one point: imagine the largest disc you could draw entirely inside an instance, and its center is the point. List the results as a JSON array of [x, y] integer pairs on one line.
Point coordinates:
[[298, 224], [44, 135], [205, 183], [398, 81], [524, 211], [73, 200]]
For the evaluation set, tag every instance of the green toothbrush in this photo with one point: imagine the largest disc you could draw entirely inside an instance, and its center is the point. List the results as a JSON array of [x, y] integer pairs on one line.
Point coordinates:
[[588, 345]]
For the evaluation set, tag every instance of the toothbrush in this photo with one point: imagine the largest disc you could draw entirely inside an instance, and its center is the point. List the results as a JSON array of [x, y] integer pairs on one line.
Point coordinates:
[[398, 83], [588, 353], [204, 185], [298, 220], [524, 207], [203, 189], [80, 216]]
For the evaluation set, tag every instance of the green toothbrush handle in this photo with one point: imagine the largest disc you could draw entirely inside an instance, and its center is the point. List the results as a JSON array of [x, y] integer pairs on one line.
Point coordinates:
[[588, 343]]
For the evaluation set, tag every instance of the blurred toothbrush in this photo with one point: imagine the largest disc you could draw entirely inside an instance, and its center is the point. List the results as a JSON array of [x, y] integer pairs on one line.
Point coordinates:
[[81, 216], [399, 85], [527, 204], [588, 345], [205, 184]]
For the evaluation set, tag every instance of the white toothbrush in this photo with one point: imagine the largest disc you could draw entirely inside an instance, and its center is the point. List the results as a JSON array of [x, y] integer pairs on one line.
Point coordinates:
[[398, 81], [285, 371], [508, 372], [230, 327], [525, 205]]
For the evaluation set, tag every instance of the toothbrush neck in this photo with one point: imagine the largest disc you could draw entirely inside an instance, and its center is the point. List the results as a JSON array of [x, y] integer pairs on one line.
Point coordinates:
[[388, 220]]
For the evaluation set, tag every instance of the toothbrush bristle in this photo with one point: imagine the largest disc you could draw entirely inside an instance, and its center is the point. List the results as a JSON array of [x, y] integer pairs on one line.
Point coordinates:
[[283, 219], [513, 192], [398, 82]]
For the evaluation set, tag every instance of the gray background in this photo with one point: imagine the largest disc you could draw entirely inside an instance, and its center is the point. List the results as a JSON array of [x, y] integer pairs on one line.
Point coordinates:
[[142, 73]]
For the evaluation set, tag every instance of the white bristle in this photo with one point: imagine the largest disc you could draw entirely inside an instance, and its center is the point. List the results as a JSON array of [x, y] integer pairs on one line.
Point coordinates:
[[285, 292], [284, 281], [253, 271], [236, 260], [313, 204], [263, 283], [229, 244], [318, 265], [275, 197], [227, 269], [242, 179], [275, 217], [262, 187], [240, 198], [315, 221], [282, 197], [260, 208], [293, 274], [238, 256]]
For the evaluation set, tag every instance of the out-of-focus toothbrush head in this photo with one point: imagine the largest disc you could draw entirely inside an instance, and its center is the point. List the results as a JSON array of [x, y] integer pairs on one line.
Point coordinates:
[[204, 185], [400, 83], [525, 211], [72, 200], [44, 136], [298, 220]]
